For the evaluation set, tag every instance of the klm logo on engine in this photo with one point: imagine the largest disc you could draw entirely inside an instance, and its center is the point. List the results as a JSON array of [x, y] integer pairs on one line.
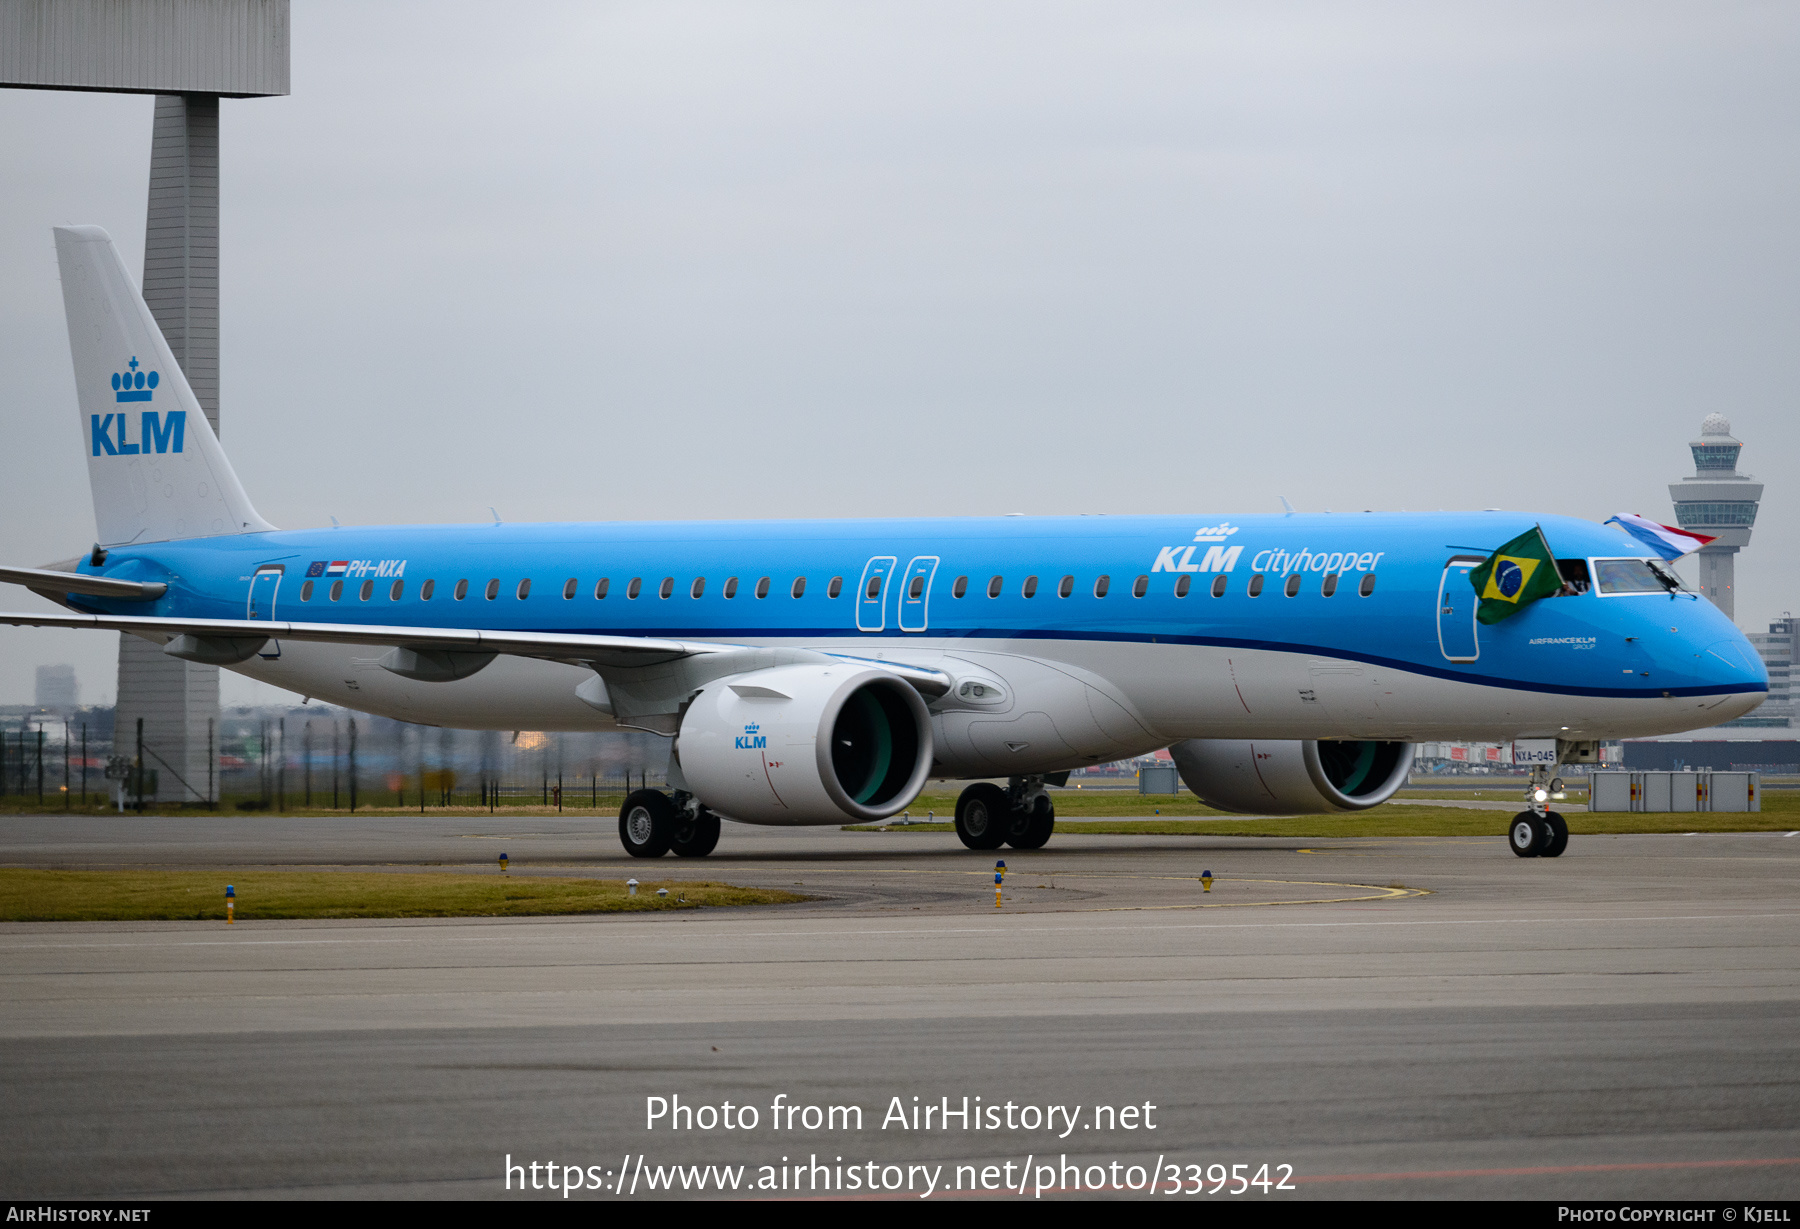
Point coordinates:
[[750, 740]]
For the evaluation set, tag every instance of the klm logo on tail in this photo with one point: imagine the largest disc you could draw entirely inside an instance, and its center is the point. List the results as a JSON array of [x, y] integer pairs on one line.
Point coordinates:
[[134, 385], [110, 434]]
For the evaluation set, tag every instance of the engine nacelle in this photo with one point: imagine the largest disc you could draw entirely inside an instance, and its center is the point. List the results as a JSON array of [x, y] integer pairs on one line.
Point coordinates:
[[1255, 777], [806, 744]]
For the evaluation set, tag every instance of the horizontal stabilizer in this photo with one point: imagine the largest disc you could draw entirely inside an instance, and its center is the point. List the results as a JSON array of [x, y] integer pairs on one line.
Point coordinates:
[[48, 580]]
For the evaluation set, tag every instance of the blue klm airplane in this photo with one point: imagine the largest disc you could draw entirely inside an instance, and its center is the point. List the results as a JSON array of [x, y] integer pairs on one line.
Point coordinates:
[[813, 672]]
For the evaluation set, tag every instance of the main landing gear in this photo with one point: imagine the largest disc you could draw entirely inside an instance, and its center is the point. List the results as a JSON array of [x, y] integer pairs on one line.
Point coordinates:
[[651, 823], [1021, 815], [1539, 832]]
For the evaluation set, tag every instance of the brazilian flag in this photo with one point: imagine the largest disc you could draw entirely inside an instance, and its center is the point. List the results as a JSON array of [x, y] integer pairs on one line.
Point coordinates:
[[1515, 576]]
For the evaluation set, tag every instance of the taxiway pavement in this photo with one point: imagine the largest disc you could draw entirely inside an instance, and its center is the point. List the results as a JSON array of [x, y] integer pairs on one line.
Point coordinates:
[[1442, 1019]]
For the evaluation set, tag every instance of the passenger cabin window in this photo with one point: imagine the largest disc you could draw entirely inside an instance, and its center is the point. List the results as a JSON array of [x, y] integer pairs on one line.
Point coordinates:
[[1181, 585], [731, 587], [1065, 587], [395, 590], [916, 590], [337, 590], [1254, 589], [1029, 589], [367, 591], [1292, 588], [1367, 586], [1140, 586], [666, 588], [524, 589], [762, 587], [306, 591], [1102, 585], [600, 588], [1218, 586], [799, 586], [461, 591], [634, 588], [994, 586], [698, 588], [874, 590], [1329, 588], [835, 587], [493, 589], [960, 587], [426, 590], [569, 587]]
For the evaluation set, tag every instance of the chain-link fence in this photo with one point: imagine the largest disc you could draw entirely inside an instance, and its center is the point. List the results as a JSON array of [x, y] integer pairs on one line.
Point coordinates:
[[324, 759]]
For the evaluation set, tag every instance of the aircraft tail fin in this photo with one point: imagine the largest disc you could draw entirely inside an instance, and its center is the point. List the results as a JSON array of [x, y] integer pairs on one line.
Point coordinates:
[[155, 466]]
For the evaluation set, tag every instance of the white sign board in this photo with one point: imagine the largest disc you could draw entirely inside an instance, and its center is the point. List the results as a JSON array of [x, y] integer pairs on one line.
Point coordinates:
[[1534, 751]]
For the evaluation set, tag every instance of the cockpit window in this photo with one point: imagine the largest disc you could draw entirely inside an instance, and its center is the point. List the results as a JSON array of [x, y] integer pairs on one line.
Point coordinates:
[[1616, 576], [1575, 575]]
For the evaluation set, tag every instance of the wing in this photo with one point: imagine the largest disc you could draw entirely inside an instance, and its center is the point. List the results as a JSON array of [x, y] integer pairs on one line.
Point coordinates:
[[238, 640]]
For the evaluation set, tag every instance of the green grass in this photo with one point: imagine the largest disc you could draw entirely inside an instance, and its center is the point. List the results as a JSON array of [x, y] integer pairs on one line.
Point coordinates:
[[132, 896]]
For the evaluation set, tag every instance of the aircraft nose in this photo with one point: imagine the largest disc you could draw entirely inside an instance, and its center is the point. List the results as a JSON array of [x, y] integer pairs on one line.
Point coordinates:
[[1733, 661], [1732, 664]]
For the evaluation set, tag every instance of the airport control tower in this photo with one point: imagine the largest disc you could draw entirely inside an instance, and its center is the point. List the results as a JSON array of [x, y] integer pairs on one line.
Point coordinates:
[[1720, 502]]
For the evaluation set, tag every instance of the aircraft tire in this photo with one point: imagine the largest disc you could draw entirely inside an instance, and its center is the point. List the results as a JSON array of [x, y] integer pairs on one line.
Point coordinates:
[[1558, 838], [1527, 835], [695, 838], [1032, 829], [647, 823], [981, 814]]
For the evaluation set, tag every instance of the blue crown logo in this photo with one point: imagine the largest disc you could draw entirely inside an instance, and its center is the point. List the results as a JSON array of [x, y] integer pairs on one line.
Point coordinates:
[[134, 385], [752, 728]]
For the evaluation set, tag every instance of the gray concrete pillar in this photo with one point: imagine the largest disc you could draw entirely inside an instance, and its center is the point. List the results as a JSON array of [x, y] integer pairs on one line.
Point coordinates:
[[181, 239], [177, 699], [1718, 567]]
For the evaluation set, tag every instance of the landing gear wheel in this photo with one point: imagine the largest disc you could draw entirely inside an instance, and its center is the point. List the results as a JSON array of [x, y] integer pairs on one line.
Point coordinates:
[[1528, 835], [1030, 829], [647, 823], [695, 838], [1557, 839], [981, 815]]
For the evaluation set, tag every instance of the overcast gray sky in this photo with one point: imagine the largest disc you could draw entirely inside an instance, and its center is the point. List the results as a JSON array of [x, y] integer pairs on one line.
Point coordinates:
[[644, 260]]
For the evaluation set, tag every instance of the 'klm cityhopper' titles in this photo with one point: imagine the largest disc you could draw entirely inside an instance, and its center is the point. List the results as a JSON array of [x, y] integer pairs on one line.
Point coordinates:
[[1281, 562]]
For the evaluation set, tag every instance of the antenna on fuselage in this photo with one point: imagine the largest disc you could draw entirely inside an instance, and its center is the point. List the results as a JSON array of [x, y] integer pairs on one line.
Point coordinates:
[[496, 514], [1286, 504]]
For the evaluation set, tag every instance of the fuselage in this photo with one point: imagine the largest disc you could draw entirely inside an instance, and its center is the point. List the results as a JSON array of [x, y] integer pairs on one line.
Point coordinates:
[[1300, 626]]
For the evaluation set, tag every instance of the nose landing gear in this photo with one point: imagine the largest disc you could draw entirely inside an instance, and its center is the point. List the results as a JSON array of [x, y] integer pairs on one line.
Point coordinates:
[[1538, 836], [1539, 832]]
